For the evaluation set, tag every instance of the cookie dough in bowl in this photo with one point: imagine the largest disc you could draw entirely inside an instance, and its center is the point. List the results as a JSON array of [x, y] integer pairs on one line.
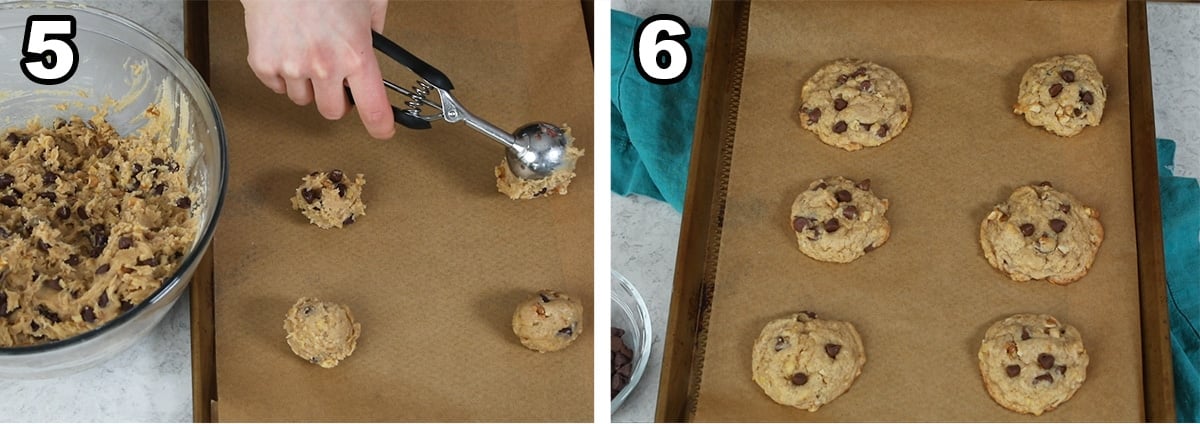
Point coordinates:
[[548, 321]]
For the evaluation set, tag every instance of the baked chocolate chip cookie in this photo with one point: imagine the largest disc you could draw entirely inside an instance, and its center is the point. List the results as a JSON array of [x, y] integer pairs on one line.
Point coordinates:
[[853, 103], [1041, 233], [1063, 94], [1032, 363], [839, 220], [805, 362]]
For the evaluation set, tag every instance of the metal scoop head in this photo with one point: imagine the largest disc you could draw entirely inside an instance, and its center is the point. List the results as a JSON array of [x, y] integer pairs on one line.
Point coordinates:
[[538, 149]]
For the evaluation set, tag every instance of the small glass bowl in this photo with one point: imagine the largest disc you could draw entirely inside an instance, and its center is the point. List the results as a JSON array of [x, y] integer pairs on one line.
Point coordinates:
[[108, 45], [629, 313]]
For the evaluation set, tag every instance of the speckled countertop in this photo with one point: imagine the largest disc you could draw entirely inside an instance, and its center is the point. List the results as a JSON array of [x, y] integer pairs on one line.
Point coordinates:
[[645, 231], [152, 381]]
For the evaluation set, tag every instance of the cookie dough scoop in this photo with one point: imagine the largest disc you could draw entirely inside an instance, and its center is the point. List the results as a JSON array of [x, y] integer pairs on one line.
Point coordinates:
[[535, 150]]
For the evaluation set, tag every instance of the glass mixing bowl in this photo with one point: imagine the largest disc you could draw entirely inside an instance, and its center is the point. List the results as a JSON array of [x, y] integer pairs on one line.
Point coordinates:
[[117, 59], [629, 313]]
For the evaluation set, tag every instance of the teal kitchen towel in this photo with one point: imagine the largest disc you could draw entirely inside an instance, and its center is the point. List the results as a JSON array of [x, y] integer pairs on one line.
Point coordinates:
[[1181, 248], [652, 124]]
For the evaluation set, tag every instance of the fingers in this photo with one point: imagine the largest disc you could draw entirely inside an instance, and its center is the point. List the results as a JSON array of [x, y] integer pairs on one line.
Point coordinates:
[[300, 91], [373, 107], [331, 98]]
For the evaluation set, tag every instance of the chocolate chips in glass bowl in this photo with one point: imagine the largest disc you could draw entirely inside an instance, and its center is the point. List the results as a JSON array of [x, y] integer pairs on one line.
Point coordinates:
[[622, 362]]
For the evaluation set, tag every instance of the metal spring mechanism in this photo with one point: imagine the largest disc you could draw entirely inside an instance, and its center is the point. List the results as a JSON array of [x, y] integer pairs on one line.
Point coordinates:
[[418, 97]]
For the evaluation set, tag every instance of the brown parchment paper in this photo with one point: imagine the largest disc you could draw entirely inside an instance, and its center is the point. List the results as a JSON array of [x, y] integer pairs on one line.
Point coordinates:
[[923, 300], [436, 267]]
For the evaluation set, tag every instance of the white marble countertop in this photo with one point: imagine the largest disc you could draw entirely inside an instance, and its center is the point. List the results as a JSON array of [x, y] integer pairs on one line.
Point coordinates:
[[152, 381], [645, 232]]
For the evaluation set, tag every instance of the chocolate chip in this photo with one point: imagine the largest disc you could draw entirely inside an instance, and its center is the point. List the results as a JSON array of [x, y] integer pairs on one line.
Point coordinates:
[[800, 223], [6, 180], [865, 85], [53, 283], [1024, 334], [883, 130], [157, 161], [1086, 97], [184, 202], [172, 166], [341, 188], [1046, 361], [870, 248], [839, 104], [810, 315], [1078, 112], [832, 350], [1013, 370], [1065, 208], [102, 269], [11, 138], [63, 212], [72, 260], [821, 186], [541, 192], [842, 196], [99, 238], [1044, 377], [840, 127], [1067, 75], [850, 212], [34, 326], [50, 315], [814, 116], [159, 189], [105, 150], [616, 332], [49, 178], [335, 176], [566, 331], [864, 185], [125, 305], [546, 299], [1058, 225], [832, 225], [152, 261], [87, 314], [103, 301], [137, 169], [1027, 229], [842, 79], [310, 196], [904, 108], [81, 211], [780, 344], [1062, 369], [3, 303], [862, 70], [48, 195], [799, 379], [866, 127], [1055, 90], [43, 246], [349, 220], [125, 242], [8, 200]]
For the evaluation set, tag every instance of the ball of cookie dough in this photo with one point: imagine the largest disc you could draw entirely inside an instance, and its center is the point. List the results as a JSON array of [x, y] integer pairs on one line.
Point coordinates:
[[853, 103], [548, 321], [1041, 233], [330, 199], [806, 362], [1062, 94], [839, 220], [1032, 363], [517, 188], [323, 333]]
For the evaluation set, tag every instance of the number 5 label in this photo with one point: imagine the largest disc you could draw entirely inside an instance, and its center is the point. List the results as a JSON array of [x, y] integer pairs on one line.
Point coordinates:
[[50, 55], [660, 49]]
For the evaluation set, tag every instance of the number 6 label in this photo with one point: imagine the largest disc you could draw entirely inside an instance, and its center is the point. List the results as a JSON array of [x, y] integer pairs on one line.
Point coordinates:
[[661, 51], [50, 55]]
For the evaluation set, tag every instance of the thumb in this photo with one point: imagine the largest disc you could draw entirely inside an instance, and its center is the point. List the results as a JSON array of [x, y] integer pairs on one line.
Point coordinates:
[[378, 14]]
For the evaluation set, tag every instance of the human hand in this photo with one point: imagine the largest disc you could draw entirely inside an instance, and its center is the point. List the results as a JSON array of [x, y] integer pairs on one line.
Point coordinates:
[[312, 49]]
